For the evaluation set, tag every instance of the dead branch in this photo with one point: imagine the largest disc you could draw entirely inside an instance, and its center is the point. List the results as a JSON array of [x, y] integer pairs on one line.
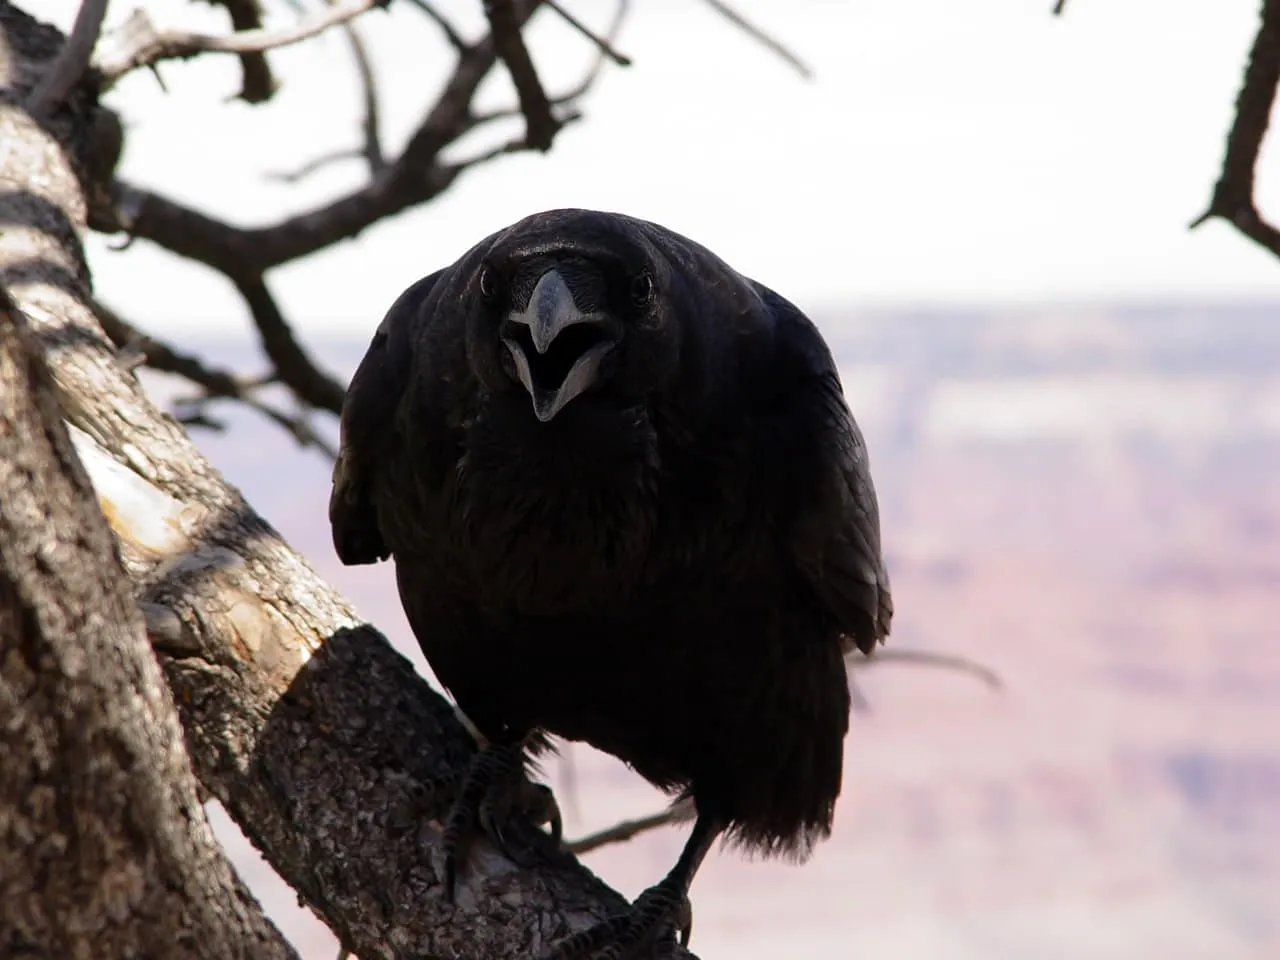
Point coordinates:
[[257, 84], [682, 811], [142, 44], [137, 348], [755, 33], [416, 176], [294, 367], [577, 91], [505, 27], [371, 125], [72, 61], [946, 661], [1233, 195], [603, 44], [452, 35]]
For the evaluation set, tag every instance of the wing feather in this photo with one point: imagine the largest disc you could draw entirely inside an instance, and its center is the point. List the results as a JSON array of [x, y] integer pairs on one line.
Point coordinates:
[[373, 396], [835, 530]]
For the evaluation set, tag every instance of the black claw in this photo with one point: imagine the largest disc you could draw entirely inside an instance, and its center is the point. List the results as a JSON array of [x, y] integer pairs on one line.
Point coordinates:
[[494, 791], [660, 912]]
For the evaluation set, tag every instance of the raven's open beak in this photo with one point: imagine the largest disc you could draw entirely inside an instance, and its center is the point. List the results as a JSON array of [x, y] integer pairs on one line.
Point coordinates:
[[556, 348]]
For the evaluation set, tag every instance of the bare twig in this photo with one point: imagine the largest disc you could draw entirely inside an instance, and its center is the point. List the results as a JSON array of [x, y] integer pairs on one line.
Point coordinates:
[[371, 126], [72, 60], [452, 35], [294, 367], [679, 812], [137, 348], [504, 24], [147, 45], [316, 164], [930, 658], [749, 28], [515, 145], [604, 45], [1233, 194]]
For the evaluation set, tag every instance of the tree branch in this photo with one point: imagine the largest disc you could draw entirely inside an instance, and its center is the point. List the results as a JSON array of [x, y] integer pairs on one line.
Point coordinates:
[[603, 44], [578, 90], [505, 25], [682, 811], [945, 661], [415, 177], [72, 61], [257, 84], [293, 365], [452, 35], [142, 44], [318, 738], [1233, 195], [137, 348], [755, 33]]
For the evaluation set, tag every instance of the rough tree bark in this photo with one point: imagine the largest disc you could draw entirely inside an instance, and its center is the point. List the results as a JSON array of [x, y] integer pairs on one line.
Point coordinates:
[[321, 742], [106, 850]]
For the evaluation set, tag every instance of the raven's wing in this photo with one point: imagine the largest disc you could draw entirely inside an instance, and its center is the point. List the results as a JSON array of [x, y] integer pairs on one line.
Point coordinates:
[[835, 528], [368, 411]]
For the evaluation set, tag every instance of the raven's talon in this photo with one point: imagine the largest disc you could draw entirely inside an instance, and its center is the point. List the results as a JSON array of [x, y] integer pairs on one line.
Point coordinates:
[[484, 794], [655, 916]]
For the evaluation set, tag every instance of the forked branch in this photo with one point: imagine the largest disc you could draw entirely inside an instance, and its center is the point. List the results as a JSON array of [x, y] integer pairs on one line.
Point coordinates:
[[1233, 195]]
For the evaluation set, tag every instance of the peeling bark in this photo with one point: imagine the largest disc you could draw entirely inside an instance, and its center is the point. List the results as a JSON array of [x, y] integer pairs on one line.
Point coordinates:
[[104, 847]]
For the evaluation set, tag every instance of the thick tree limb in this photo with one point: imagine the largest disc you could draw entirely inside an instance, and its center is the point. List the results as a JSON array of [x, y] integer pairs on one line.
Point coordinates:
[[107, 852], [1233, 195], [141, 44], [319, 739]]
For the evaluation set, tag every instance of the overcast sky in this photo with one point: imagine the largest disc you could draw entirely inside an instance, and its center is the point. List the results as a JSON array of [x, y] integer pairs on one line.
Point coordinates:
[[962, 151]]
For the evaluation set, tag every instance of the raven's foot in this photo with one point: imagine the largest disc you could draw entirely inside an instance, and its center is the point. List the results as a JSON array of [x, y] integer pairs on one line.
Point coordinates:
[[494, 792], [659, 914]]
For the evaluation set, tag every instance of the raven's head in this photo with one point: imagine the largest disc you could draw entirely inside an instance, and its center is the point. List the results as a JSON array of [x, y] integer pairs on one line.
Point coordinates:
[[573, 306]]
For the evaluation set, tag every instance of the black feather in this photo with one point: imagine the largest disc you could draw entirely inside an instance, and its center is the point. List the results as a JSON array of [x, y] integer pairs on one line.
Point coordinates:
[[672, 567]]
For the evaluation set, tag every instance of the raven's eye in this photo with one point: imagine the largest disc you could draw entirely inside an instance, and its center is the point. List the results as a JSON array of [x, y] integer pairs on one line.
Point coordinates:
[[488, 286], [642, 288]]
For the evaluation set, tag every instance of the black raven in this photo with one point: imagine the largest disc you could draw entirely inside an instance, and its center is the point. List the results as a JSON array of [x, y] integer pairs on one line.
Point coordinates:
[[628, 505]]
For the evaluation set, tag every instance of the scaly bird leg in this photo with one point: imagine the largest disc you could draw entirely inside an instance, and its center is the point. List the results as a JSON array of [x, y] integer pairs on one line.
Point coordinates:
[[493, 790], [661, 910]]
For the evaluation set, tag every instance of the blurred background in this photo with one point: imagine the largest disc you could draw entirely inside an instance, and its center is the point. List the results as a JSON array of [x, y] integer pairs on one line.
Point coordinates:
[[1071, 401]]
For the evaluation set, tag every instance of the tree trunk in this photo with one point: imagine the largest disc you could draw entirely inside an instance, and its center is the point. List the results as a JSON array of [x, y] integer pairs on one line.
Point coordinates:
[[333, 756], [106, 850]]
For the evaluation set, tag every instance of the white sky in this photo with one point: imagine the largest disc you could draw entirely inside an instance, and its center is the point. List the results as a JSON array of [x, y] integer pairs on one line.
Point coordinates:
[[963, 151]]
